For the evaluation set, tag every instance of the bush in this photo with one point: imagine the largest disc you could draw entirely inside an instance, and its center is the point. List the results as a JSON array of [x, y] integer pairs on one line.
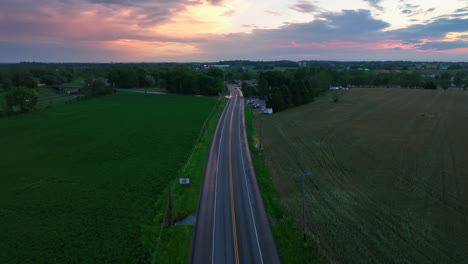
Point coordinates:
[[96, 87], [20, 99]]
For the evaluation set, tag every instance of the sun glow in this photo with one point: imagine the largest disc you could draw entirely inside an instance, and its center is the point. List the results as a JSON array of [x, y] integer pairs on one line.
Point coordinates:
[[202, 19], [150, 48]]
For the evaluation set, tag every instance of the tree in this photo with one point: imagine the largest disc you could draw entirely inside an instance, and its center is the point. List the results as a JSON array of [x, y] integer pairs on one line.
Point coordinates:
[[23, 78], [96, 87], [444, 83], [216, 73], [430, 85], [6, 84], [20, 99]]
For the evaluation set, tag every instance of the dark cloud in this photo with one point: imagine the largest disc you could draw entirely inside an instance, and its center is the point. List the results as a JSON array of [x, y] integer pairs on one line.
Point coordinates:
[[444, 45], [57, 52], [430, 10], [410, 6], [462, 10], [410, 9], [305, 7], [459, 15], [435, 29], [375, 4]]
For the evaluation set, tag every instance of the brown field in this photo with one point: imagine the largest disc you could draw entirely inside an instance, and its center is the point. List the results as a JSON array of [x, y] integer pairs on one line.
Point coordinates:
[[389, 168]]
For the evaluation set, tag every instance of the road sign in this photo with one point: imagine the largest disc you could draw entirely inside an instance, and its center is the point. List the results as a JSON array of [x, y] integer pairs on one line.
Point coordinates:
[[184, 180]]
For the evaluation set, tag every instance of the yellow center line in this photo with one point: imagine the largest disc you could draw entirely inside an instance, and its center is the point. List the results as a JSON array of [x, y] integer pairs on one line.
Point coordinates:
[[231, 187]]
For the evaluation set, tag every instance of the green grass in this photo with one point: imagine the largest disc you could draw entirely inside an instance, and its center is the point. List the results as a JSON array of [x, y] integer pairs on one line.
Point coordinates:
[[175, 241], [151, 89], [289, 239], [80, 181]]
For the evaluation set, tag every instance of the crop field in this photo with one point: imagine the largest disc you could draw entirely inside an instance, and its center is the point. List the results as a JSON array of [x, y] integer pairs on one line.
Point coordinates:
[[388, 178], [79, 181]]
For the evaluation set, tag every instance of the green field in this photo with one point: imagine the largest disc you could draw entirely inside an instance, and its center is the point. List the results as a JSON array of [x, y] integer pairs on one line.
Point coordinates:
[[79, 181], [389, 179]]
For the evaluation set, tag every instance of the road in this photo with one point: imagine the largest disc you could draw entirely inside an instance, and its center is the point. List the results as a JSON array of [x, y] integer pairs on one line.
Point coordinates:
[[232, 225]]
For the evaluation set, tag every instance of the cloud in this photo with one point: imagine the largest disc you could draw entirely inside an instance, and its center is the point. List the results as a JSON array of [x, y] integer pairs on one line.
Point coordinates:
[[410, 6], [346, 35], [180, 30], [406, 11], [349, 29], [273, 13], [305, 7], [435, 29], [444, 45], [461, 10], [375, 4]]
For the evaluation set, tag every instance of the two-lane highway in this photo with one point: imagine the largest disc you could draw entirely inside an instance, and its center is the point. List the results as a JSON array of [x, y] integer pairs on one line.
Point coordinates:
[[232, 226]]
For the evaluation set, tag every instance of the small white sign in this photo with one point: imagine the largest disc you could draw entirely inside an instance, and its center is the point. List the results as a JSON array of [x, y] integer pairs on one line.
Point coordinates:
[[184, 180]]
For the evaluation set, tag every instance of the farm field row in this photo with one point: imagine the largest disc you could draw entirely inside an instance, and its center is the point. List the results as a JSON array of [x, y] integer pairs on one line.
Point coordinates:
[[79, 181], [389, 178]]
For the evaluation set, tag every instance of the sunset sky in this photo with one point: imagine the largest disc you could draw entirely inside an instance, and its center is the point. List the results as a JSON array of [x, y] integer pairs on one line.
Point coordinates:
[[213, 30]]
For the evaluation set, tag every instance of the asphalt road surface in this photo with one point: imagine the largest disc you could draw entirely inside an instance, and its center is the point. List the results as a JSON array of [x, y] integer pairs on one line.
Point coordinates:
[[232, 225]]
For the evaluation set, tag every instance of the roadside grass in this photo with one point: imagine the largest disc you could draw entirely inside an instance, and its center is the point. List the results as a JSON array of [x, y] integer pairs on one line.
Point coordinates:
[[80, 180], [288, 238], [172, 243]]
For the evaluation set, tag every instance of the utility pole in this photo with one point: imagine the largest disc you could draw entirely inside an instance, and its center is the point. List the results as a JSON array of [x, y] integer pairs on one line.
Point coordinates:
[[303, 201]]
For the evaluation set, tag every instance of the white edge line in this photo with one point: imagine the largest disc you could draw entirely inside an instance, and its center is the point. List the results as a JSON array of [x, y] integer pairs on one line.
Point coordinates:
[[248, 192]]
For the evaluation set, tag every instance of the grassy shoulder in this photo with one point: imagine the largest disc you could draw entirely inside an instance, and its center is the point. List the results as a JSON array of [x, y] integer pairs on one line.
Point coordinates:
[[170, 243], [289, 239]]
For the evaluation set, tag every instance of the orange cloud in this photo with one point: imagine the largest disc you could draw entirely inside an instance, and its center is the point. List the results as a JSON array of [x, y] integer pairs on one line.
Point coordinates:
[[144, 49], [201, 19]]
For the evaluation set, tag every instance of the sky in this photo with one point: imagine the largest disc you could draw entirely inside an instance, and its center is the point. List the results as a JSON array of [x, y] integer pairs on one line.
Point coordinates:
[[215, 30]]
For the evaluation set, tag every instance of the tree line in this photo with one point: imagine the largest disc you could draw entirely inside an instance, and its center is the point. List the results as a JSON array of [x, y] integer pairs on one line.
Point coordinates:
[[285, 89], [281, 89], [178, 80]]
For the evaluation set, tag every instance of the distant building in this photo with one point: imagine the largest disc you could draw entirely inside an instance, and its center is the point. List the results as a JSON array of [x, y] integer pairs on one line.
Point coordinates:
[[220, 66], [432, 75], [339, 88]]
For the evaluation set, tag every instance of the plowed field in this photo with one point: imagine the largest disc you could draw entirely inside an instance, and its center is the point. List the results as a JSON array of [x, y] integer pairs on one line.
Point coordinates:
[[389, 180]]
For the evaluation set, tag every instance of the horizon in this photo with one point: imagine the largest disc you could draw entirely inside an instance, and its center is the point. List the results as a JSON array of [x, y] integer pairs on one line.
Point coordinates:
[[232, 60]]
